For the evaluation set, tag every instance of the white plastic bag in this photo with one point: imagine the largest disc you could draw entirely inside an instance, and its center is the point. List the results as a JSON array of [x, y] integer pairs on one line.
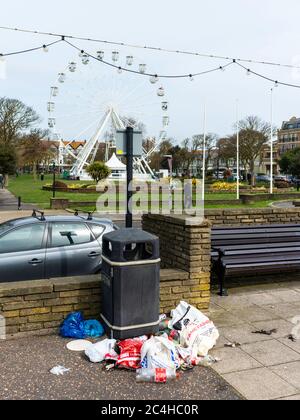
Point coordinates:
[[159, 352], [103, 350], [197, 333], [59, 370]]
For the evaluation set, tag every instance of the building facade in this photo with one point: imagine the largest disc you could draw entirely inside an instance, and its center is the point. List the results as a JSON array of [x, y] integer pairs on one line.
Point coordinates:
[[289, 135]]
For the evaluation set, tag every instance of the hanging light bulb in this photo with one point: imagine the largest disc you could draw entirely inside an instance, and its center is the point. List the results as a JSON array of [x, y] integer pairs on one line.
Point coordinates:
[[142, 68], [248, 72], [154, 79], [120, 70], [164, 106], [276, 84], [61, 77], [51, 122], [161, 91], [129, 60], [81, 53], [115, 56], [85, 59], [191, 78], [45, 48], [166, 120], [222, 68], [100, 55], [72, 67], [50, 106], [54, 91]]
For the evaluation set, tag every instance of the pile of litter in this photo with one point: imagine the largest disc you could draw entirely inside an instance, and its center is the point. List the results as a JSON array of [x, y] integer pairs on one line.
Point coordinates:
[[183, 341]]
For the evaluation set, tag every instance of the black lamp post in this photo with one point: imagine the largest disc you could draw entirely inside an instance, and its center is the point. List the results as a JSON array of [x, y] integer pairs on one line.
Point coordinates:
[[53, 185]]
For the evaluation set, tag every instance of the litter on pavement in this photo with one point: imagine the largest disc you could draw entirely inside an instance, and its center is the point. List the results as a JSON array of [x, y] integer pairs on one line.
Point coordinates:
[[59, 370], [74, 326], [232, 345], [78, 345], [183, 341], [265, 332]]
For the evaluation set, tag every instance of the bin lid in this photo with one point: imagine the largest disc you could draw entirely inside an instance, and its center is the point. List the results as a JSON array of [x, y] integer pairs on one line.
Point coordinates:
[[129, 235]]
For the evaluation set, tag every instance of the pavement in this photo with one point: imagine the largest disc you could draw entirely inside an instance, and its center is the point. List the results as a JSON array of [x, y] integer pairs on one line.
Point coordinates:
[[263, 367], [24, 375], [9, 202]]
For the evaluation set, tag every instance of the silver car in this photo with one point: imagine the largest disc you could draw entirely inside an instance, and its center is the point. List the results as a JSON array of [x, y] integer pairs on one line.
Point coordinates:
[[41, 247]]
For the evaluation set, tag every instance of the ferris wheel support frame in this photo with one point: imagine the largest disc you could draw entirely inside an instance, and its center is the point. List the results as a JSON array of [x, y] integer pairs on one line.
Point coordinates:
[[85, 153]]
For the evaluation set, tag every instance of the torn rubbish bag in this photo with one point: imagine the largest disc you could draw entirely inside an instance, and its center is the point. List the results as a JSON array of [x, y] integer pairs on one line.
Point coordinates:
[[103, 350], [159, 352], [197, 332], [130, 353]]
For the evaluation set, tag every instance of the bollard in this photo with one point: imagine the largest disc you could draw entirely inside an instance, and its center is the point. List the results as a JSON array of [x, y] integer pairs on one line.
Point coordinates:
[[19, 203]]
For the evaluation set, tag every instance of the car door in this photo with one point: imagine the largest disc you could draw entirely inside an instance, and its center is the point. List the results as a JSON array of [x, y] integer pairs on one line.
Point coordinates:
[[22, 253], [72, 250]]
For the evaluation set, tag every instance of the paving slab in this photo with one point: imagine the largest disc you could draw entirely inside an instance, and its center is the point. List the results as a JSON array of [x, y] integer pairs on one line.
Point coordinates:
[[283, 327], [224, 318], [265, 298], [232, 302], [284, 310], [291, 398], [290, 372], [271, 352], [260, 384], [254, 314], [233, 360], [243, 334], [294, 345], [286, 295]]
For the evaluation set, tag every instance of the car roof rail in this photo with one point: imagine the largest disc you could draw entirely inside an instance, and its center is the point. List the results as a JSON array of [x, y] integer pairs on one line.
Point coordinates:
[[41, 217]]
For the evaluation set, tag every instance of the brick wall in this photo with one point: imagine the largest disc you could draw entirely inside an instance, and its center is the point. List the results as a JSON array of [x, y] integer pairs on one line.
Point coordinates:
[[252, 216], [185, 245], [39, 306]]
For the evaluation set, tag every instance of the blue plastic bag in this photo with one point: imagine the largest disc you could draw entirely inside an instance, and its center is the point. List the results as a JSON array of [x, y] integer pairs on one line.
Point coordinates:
[[74, 326], [93, 328]]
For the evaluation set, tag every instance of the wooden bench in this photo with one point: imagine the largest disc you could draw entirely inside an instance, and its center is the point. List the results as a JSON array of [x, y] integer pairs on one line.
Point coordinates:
[[254, 250]]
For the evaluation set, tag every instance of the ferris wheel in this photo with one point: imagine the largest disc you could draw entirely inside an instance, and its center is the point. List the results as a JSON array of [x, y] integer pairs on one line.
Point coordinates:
[[89, 101]]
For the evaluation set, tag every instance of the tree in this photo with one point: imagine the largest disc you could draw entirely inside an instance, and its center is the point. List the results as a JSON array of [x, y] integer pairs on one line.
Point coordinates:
[[98, 171], [290, 162], [193, 148], [8, 161], [15, 119], [254, 134], [33, 150]]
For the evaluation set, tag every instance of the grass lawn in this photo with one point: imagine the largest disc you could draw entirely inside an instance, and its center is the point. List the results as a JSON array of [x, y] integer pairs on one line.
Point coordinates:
[[30, 191]]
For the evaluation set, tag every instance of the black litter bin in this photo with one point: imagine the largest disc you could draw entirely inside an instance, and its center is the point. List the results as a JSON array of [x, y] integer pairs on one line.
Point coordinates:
[[130, 283]]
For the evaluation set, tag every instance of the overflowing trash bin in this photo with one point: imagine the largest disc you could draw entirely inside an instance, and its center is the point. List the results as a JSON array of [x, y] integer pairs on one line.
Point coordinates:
[[130, 283]]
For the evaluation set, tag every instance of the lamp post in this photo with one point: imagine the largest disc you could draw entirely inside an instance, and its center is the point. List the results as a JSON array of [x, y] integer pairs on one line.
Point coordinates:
[[204, 156], [237, 152], [53, 184], [271, 139]]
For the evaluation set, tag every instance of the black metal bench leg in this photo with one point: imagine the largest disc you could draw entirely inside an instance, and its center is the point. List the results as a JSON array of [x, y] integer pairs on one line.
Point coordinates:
[[222, 272]]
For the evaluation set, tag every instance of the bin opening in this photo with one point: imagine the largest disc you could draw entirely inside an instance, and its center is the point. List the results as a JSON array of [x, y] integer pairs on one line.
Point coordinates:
[[137, 252]]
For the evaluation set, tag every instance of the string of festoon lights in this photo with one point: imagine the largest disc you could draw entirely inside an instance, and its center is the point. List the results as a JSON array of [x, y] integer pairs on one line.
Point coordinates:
[[142, 69]]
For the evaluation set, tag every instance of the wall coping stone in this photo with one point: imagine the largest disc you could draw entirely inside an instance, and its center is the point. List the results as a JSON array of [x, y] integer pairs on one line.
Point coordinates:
[[179, 219]]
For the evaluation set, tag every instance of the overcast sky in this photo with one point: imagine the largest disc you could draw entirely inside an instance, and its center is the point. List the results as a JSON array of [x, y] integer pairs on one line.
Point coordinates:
[[257, 29]]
